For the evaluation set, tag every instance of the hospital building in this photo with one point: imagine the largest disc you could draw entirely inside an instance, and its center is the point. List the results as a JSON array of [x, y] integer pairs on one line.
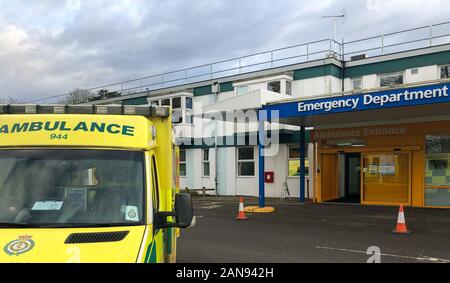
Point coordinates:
[[362, 121]]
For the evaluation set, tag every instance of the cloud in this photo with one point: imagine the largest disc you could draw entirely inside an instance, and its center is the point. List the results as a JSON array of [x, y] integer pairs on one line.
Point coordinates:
[[50, 47]]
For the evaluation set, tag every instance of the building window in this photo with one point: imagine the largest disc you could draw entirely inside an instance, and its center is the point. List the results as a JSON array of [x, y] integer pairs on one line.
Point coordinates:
[[177, 116], [294, 162], [188, 102], [176, 102], [415, 71], [246, 162], [205, 163], [357, 83], [274, 86], [445, 71], [288, 88], [241, 90], [437, 170], [391, 80], [154, 103], [165, 102], [183, 162], [188, 118]]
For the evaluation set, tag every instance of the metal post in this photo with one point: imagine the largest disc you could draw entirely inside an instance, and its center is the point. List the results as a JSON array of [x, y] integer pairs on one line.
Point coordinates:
[[307, 52], [240, 65], [302, 149], [261, 121], [431, 35], [382, 44], [211, 69], [271, 58]]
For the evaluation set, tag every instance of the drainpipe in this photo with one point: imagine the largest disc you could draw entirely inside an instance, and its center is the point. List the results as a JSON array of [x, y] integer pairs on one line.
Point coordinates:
[[302, 149], [216, 161]]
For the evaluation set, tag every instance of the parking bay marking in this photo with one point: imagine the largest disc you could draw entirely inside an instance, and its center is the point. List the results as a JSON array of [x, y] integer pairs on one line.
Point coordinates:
[[420, 258]]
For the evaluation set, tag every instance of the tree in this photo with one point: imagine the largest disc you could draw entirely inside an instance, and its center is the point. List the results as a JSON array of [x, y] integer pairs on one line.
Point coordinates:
[[9, 100], [76, 96], [105, 94]]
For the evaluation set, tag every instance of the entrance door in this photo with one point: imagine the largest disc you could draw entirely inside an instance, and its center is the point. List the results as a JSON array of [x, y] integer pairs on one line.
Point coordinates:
[[386, 178], [352, 177], [328, 180]]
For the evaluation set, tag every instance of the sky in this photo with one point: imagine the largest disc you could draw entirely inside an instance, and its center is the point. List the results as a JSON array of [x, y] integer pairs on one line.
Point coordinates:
[[49, 47]]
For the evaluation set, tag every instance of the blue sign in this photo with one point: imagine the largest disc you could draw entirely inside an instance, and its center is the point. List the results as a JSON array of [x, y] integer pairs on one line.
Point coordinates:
[[422, 95]]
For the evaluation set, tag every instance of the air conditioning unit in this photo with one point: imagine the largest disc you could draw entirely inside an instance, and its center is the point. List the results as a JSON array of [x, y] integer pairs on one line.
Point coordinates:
[[216, 87], [358, 57]]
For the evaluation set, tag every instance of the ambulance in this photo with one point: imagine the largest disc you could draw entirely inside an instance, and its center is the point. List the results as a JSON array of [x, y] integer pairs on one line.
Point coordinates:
[[85, 183]]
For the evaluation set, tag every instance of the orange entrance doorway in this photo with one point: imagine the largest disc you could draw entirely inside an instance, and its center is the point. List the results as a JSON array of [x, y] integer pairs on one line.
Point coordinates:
[[366, 177]]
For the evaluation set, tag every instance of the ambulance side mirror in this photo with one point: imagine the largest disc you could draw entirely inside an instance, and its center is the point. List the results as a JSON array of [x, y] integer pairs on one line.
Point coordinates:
[[183, 213], [184, 210]]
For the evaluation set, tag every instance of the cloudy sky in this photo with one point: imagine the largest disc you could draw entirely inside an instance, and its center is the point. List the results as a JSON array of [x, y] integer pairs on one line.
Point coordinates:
[[48, 47]]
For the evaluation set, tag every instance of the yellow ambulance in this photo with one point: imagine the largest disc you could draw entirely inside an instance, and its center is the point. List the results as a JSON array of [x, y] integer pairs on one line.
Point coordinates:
[[84, 183]]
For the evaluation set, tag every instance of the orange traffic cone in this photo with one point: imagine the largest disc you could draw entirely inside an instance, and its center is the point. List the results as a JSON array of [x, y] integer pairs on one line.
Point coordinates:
[[401, 223], [241, 214]]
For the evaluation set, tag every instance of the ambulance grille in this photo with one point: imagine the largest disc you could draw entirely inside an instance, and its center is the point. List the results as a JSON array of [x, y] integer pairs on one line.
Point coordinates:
[[81, 238]]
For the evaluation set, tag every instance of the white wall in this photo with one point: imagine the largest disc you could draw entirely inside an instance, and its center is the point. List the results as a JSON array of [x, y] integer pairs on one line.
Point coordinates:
[[427, 73], [319, 86]]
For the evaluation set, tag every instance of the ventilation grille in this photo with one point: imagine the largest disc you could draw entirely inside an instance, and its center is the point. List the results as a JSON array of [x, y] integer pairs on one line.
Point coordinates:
[[81, 238]]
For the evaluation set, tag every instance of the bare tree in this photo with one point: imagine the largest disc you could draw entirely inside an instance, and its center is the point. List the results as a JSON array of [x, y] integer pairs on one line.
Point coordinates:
[[10, 100], [76, 96]]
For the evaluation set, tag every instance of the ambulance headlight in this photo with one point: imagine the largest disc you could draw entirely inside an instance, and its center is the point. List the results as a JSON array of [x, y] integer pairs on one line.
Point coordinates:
[[160, 111], [80, 109], [143, 110], [52, 109], [23, 109], [108, 109], [3, 109]]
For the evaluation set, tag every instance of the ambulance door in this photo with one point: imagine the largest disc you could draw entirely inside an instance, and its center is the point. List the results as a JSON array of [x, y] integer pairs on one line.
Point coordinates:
[[156, 253]]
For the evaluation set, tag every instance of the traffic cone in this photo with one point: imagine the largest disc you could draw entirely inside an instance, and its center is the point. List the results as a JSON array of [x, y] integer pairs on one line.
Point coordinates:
[[401, 223], [241, 214]]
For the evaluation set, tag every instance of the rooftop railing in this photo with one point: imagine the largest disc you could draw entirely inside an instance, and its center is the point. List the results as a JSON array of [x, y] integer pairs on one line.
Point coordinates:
[[404, 40]]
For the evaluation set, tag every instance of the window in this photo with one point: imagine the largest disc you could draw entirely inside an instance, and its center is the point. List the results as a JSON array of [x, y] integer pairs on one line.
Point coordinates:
[[274, 86], [176, 102], [288, 88], [241, 90], [189, 102], [205, 163], [294, 162], [392, 79], [414, 71], [72, 187], [165, 102], [183, 163], [357, 83], [437, 170], [154, 103], [246, 162], [177, 116], [155, 187], [445, 71], [188, 118]]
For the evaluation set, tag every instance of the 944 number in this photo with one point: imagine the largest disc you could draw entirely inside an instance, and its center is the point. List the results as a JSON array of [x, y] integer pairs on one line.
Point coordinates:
[[58, 137]]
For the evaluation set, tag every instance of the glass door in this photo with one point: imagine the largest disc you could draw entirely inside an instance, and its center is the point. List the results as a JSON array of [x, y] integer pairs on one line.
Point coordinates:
[[386, 178]]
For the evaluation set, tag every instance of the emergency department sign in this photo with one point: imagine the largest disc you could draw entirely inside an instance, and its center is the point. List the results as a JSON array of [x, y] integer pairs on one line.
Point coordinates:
[[423, 95]]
